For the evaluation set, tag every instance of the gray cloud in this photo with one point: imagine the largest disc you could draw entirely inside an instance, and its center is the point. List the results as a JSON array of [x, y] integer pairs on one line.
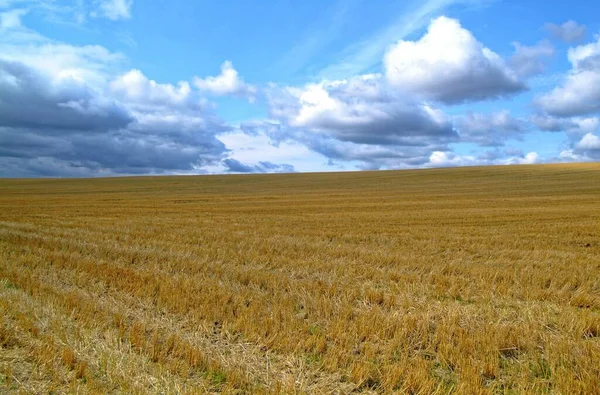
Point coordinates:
[[30, 100], [364, 156], [359, 119], [590, 63], [361, 111], [59, 127], [529, 60], [235, 166], [552, 124], [588, 146], [569, 31], [490, 130]]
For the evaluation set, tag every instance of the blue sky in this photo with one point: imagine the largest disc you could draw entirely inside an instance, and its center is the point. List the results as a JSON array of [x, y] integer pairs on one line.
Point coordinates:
[[120, 87]]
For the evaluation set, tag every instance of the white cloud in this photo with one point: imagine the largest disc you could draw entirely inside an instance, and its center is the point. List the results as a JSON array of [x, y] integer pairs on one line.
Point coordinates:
[[227, 83], [569, 31], [579, 93], [529, 159], [450, 159], [528, 60], [360, 110], [386, 121], [113, 9], [589, 142], [448, 64], [569, 156], [587, 124], [580, 56], [92, 64], [359, 121], [365, 54], [134, 86]]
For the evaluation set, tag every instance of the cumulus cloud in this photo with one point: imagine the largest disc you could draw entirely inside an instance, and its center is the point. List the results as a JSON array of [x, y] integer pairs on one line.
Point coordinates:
[[134, 86], [579, 93], [360, 119], [113, 9], [574, 125], [585, 149], [235, 166], [450, 159], [227, 83], [489, 129], [360, 110], [448, 64], [339, 153], [529, 60], [551, 124], [387, 120], [81, 132], [86, 114], [71, 111], [587, 124], [529, 159], [569, 31], [92, 65], [585, 57], [589, 142], [32, 100], [390, 120]]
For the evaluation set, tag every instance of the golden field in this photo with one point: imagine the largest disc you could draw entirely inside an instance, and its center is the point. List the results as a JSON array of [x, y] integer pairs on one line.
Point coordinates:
[[467, 281]]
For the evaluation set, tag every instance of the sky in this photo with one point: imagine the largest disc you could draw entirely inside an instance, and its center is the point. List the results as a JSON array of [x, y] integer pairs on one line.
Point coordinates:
[[93, 88]]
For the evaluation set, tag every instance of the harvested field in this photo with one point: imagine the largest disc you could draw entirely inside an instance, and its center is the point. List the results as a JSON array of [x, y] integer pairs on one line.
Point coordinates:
[[467, 281]]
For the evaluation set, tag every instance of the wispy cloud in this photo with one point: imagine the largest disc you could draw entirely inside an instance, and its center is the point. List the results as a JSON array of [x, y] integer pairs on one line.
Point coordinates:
[[11, 19], [317, 38], [363, 55], [113, 9]]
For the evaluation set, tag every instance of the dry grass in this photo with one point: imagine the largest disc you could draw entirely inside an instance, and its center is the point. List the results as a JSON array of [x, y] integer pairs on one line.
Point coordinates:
[[473, 280]]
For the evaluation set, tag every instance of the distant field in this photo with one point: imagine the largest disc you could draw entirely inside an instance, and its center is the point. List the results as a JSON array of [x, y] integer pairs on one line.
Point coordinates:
[[469, 280]]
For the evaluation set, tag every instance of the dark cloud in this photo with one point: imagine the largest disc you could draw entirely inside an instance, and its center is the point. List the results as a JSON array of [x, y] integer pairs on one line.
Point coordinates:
[[62, 127], [30, 100]]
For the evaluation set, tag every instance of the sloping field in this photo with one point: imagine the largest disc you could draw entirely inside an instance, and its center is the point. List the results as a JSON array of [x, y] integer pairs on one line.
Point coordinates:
[[471, 280]]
